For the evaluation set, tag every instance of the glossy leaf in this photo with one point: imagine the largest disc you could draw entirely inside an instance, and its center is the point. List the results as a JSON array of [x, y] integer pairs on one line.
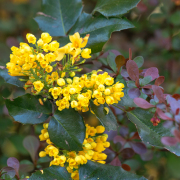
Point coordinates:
[[148, 133], [31, 144], [115, 7], [142, 103], [94, 171], [11, 79], [27, 109], [111, 61], [107, 120], [58, 16], [67, 130], [53, 172], [99, 28], [139, 61]]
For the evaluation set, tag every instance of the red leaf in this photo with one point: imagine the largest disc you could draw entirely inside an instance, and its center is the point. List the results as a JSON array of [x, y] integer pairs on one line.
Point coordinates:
[[153, 72], [143, 103], [119, 139], [158, 92], [127, 153], [169, 141], [135, 136], [177, 134], [126, 167], [116, 162], [132, 70], [162, 115], [134, 92], [176, 96], [14, 163], [120, 61], [130, 54], [159, 80], [138, 147]]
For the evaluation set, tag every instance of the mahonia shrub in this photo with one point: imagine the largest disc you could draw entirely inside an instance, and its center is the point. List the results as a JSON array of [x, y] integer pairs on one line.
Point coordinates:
[[70, 78]]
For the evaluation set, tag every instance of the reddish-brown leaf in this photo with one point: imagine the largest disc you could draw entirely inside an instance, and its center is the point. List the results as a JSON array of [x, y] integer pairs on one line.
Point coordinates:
[[119, 139], [176, 96], [162, 115], [132, 70], [159, 93], [138, 147], [177, 134], [153, 72], [120, 61], [143, 103], [169, 141], [116, 162], [14, 163], [159, 80], [126, 167]]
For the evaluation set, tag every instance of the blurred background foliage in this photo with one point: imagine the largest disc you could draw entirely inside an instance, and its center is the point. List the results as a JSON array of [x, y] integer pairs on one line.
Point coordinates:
[[156, 38]]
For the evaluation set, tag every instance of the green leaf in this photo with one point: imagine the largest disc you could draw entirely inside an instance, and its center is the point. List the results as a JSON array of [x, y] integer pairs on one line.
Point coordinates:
[[114, 7], [58, 16], [107, 120], [139, 61], [145, 80], [53, 172], [11, 79], [111, 61], [126, 101], [94, 171], [67, 130], [27, 109], [99, 28], [148, 133]]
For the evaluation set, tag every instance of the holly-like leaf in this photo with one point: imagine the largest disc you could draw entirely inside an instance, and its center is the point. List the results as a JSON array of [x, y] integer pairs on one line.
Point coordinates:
[[94, 171], [53, 172], [111, 61], [27, 109], [11, 79], [99, 28], [67, 130], [107, 120], [58, 16], [148, 133], [115, 7]]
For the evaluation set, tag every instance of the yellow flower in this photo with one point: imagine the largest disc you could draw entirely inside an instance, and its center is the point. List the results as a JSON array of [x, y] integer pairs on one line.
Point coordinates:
[[76, 40], [42, 154], [56, 91], [72, 74], [53, 46], [31, 38], [38, 85], [49, 69], [46, 37], [109, 81], [86, 53], [40, 42], [61, 82], [74, 104], [40, 57], [109, 100], [100, 129], [54, 76]]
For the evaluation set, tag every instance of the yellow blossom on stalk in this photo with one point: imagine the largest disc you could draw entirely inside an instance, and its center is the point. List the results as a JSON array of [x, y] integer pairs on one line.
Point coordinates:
[[31, 38], [93, 145], [46, 37], [38, 85], [86, 53]]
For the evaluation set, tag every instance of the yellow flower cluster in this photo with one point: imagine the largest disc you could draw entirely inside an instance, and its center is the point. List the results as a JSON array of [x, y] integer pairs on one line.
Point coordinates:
[[94, 143], [34, 62], [78, 92], [57, 81]]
